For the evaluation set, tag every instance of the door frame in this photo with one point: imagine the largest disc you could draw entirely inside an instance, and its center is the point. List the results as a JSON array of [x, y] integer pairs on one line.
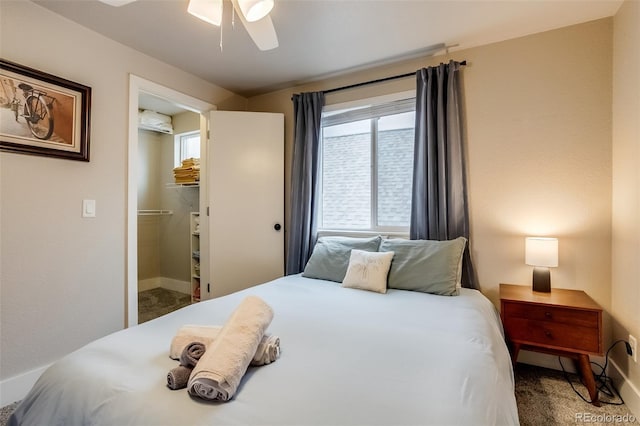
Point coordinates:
[[139, 85]]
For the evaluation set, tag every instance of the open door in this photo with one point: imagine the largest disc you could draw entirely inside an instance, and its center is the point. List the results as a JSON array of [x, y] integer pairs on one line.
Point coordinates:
[[245, 188]]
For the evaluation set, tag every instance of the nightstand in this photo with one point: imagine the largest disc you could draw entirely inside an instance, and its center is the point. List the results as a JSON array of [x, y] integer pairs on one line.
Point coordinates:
[[563, 322]]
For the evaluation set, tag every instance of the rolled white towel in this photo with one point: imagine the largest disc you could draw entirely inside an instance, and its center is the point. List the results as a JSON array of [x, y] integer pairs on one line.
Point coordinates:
[[219, 371], [191, 333], [268, 350]]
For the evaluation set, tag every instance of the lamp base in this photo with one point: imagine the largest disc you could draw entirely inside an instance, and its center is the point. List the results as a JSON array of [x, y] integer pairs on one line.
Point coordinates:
[[541, 279]]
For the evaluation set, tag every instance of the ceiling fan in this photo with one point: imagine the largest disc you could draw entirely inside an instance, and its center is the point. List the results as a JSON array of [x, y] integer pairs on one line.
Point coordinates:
[[254, 14]]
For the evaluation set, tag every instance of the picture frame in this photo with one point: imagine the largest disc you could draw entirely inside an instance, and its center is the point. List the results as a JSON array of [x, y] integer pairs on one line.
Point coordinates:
[[42, 114]]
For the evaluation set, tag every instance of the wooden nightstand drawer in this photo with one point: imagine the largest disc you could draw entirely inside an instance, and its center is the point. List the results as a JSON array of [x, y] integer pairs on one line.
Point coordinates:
[[553, 334], [551, 313]]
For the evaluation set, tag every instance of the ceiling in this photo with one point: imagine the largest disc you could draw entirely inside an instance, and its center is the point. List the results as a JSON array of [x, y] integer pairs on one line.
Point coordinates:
[[319, 38]]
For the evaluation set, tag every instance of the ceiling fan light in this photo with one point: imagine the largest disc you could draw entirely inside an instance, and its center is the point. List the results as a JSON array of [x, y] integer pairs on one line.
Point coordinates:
[[117, 3], [254, 10], [208, 10]]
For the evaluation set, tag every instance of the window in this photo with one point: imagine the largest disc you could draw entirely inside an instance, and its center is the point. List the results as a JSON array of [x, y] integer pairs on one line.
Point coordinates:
[[187, 145], [367, 167]]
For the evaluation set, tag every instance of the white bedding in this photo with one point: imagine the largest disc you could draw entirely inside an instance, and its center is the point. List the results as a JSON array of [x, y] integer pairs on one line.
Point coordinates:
[[349, 357]]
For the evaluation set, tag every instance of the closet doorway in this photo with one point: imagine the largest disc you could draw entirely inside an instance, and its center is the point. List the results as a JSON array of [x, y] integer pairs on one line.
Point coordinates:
[[162, 231], [168, 207]]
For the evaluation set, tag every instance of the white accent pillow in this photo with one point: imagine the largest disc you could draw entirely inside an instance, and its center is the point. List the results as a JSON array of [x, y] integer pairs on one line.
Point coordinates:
[[368, 270]]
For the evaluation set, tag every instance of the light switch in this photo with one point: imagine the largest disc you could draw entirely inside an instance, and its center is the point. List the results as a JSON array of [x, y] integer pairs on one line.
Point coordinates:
[[88, 208]]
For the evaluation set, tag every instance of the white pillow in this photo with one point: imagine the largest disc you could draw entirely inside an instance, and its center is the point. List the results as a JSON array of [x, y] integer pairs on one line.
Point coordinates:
[[368, 270]]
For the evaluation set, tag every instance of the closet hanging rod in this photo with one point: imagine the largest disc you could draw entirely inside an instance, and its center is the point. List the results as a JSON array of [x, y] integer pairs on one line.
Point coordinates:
[[153, 212]]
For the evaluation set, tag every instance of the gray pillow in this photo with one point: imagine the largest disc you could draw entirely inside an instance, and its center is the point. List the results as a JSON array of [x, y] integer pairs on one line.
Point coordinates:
[[425, 265], [330, 257]]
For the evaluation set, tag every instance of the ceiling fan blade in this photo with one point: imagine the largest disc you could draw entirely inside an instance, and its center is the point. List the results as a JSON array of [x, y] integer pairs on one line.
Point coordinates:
[[262, 32], [116, 3]]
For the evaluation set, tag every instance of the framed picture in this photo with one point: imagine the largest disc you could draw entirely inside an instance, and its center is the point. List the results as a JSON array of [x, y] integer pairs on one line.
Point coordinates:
[[41, 114]]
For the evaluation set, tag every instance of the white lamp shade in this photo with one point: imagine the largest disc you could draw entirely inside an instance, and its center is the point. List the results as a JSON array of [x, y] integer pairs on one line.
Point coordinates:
[[254, 10], [541, 251], [208, 10]]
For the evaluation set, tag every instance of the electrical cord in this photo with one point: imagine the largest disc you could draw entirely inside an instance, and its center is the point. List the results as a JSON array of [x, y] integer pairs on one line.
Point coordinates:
[[604, 383]]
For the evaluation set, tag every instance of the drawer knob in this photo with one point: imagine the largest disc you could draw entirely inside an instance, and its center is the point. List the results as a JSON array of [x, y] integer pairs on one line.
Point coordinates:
[[547, 314], [547, 333]]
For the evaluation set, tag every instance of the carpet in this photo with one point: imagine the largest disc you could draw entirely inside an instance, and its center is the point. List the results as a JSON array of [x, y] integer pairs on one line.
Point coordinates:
[[545, 397], [5, 412], [159, 301]]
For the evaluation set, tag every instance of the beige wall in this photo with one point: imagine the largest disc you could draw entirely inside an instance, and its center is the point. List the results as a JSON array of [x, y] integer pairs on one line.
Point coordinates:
[[625, 290], [149, 191], [538, 121], [62, 276], [186, 121], [234, 103], [539, 141], [149, 169], [164, 241], [175, 236]]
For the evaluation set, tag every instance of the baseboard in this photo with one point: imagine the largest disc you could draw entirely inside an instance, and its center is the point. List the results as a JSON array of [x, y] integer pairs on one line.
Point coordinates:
[[164, 282], [16, 388], [175, 285], [629, 393], [148, 284]]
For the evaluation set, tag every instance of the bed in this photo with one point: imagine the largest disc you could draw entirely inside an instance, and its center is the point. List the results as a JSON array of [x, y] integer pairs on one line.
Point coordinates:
[[349, 357]]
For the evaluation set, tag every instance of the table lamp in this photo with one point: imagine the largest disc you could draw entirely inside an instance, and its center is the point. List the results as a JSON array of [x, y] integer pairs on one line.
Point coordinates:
[[542, 254]]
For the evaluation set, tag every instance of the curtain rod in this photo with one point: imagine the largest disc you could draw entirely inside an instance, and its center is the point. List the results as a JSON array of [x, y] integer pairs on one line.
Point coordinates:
[[380, 80]]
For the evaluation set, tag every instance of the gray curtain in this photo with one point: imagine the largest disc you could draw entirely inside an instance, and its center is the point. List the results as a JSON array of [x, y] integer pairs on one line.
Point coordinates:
[[439, 200], [307, 111]]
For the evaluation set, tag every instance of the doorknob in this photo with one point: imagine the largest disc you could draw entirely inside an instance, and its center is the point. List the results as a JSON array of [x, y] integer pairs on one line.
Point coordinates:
[[277, 227]]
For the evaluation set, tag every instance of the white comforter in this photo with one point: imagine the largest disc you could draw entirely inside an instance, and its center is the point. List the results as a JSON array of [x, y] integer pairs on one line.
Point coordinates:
[[349, 357]]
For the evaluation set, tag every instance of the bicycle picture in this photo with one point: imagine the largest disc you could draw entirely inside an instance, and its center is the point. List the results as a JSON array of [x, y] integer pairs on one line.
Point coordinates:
[[42, 114], [37, 111]]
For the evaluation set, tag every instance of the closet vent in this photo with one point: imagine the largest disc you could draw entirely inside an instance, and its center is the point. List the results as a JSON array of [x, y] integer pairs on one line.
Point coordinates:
[[151, 120]]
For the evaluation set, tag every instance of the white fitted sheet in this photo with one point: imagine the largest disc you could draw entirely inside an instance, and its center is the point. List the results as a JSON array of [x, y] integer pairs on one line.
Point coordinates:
[[349, 357]]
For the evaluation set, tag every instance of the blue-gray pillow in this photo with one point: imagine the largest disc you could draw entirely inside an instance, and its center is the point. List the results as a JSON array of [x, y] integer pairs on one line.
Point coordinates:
[[330, 257], [425, 265]]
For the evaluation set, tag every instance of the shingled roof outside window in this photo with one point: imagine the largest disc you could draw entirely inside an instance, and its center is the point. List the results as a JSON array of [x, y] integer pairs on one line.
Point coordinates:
[[347, 181]]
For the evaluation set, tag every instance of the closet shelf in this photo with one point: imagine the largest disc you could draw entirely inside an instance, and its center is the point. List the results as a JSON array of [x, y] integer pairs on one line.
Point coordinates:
[[155, 212], [183, 185], [194, 229]]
